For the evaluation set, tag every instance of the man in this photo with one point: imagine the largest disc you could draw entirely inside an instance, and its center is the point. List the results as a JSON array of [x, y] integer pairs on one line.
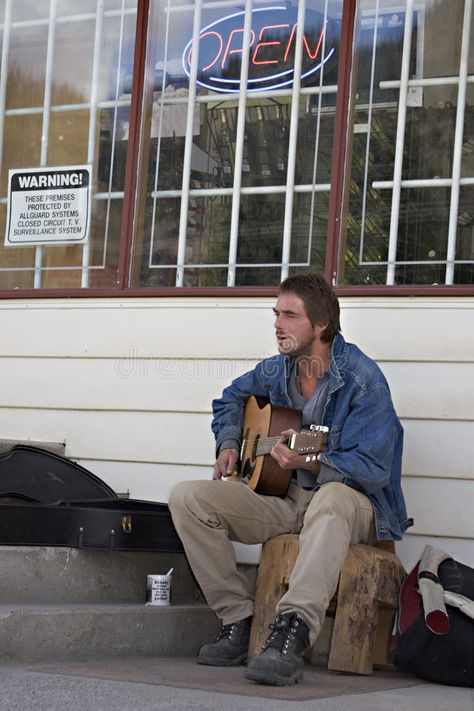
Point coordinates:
[[349, 494]]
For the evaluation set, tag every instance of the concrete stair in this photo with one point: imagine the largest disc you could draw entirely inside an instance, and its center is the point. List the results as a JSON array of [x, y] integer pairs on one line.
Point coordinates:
[[61, 604], [72, 604]]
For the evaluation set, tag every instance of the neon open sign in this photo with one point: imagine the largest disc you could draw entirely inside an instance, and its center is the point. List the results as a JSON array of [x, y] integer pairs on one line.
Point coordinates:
[[272, 49]]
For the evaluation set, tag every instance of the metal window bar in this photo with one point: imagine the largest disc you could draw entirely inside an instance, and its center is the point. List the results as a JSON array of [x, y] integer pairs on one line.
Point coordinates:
[[224, 265], [99, 17], [239, 145], [61, 268], [46, 118], [264, 94], [316, 140], [419, 262], [4, 72], [205, 192], [115, 105], [255, 190], [183, 218], [458, 138], [213, 5], [293, 136], [421, 183], [58, 108], [16, 24], [398, 164], [430, 81], [369, 124]]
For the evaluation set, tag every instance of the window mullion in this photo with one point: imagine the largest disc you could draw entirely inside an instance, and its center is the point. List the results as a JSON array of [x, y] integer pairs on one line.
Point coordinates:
[[48, 81], [130, 181], [4, 72], [317, 140], [369, 130], [154, 194], [336, 194], [458, 139], [292, 139], [110, 195], [239, 145], [183, 217], [93, 120], [398, 164]]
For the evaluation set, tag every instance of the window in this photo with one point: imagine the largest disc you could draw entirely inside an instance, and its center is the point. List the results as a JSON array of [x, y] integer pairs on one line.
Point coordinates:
[[235, 184], [62, 103], [210, 145], [409, 207]]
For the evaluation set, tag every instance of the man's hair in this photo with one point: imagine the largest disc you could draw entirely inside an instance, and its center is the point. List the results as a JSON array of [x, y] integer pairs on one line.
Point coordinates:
[[320, 301]]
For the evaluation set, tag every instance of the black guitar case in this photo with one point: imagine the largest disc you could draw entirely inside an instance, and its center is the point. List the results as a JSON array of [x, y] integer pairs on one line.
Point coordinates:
[[49, 500]]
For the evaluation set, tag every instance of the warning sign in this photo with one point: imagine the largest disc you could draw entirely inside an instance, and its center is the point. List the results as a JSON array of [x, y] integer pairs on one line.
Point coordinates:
[[48, 205]]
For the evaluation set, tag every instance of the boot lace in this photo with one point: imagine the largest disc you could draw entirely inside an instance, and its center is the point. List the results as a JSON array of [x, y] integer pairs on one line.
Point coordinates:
[[225, 632], [283, 634], [234, 630]]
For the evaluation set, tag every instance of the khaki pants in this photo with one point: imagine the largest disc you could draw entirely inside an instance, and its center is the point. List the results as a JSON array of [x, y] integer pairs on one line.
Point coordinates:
[[210, 514]]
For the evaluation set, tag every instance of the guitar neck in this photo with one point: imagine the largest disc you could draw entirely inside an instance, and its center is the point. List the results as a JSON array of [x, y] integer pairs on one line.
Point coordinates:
[[266, 444], [302, 443]]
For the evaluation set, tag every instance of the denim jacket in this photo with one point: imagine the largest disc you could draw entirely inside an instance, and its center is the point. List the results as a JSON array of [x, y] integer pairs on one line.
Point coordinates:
[[365, 440]]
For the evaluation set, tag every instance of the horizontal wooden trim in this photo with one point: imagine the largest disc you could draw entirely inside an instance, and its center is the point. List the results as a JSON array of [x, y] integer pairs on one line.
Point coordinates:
[[230, 291]]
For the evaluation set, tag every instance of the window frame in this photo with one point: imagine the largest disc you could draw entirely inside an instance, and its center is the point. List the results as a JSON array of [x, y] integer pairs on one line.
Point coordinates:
[[334, 241]]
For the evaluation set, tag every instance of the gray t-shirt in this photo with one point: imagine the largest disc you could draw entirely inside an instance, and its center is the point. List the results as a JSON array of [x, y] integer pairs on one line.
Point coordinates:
[[311, 414]]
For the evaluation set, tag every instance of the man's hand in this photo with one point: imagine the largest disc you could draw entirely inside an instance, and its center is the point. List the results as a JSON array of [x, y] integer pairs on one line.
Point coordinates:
[[226, 463], [288, 459]]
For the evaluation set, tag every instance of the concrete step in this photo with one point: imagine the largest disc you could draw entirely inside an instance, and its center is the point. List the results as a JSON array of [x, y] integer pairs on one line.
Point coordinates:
[[53, 575], [69, 603], [42, 633]]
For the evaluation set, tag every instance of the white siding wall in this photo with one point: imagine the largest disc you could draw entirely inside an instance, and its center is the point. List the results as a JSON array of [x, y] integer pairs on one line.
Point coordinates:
[[127, 384]]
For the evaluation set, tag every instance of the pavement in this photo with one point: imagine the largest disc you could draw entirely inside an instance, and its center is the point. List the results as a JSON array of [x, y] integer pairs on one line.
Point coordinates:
[[179, 684]]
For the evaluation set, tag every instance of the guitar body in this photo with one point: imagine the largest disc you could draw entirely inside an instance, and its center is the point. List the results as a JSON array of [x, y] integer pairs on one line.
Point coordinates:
[[262, 420]]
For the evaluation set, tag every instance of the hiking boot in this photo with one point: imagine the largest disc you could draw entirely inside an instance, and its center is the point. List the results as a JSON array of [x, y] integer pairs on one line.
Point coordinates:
[[281, 660], [230, 647]]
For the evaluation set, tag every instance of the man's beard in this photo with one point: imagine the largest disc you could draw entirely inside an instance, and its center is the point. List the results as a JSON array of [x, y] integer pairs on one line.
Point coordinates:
[[291, 347]]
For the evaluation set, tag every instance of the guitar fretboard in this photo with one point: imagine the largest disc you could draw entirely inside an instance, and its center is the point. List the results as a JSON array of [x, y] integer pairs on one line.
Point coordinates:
[[265, 445]]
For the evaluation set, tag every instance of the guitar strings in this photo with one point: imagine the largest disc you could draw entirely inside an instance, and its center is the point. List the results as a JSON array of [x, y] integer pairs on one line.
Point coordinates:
[[267, 440], [264, 440]]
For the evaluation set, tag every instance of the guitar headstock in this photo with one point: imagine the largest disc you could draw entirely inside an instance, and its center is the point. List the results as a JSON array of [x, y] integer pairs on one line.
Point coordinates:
[[309, 440]]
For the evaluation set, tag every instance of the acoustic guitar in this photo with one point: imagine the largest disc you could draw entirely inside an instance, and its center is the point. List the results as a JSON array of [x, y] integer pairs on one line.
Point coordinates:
[[262, 428]]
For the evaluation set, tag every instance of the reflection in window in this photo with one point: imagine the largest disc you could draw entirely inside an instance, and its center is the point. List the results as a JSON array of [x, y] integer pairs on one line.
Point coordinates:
[[61, 77], [409, 216], [223, 159]]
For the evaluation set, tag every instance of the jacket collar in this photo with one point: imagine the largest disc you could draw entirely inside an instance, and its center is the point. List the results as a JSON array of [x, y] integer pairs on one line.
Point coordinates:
[[336, 379]]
